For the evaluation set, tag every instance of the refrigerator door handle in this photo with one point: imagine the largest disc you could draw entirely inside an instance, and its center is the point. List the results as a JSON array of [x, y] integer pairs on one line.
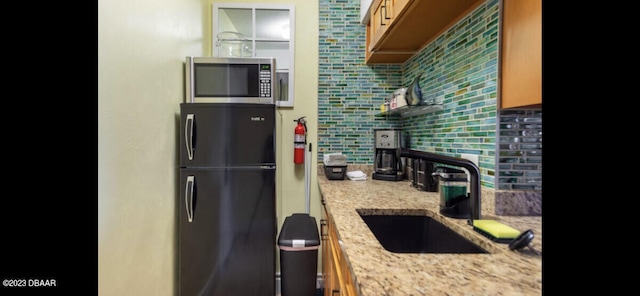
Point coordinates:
[[188, 197], [188, 134]]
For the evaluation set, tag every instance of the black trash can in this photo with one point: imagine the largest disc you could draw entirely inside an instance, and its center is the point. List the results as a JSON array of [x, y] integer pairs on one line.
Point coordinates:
[[298, 243]]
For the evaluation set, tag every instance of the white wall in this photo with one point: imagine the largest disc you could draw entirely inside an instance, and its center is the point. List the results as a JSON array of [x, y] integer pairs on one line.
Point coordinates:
[[141, 49]]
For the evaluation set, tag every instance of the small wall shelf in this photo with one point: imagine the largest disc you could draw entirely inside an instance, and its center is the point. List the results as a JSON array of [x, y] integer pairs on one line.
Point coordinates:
[[406, 111]]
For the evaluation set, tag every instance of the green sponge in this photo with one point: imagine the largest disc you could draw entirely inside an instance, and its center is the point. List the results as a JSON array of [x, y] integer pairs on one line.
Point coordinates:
[[495, 230]]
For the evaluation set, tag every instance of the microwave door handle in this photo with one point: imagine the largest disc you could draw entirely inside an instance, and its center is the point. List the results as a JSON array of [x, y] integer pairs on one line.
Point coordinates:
[[188, 197], [188, 134]]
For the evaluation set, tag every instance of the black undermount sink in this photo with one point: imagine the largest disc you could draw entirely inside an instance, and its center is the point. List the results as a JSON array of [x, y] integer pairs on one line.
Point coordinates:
[[417, 234]]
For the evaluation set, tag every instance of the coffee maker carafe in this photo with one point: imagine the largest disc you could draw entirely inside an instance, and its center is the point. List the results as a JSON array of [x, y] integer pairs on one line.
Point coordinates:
[[387, 163]]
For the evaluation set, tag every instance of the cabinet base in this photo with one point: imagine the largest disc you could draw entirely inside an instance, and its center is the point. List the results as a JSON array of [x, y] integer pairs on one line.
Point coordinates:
[[387, 177]]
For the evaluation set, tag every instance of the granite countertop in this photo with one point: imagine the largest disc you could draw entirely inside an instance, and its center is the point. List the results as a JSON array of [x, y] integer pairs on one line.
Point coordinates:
[[377, 271]]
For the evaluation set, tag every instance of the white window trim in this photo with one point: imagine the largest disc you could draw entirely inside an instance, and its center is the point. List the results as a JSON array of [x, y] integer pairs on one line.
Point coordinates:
[[214, 29]]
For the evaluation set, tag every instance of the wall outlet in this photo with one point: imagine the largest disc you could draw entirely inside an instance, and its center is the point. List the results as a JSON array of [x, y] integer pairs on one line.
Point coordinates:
[[472, 157]]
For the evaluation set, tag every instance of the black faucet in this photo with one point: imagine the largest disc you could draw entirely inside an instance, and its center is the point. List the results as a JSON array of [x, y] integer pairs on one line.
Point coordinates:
[[474, 171]]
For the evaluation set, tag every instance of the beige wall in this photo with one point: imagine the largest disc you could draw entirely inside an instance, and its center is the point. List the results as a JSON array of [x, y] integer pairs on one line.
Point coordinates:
[[141, 49]]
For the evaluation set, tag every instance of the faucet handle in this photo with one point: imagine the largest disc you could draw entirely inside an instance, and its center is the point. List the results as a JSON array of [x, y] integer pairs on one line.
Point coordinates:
[[523, 240]]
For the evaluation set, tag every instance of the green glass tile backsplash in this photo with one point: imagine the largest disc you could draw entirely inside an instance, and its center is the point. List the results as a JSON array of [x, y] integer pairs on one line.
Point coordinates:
[[459, 70]]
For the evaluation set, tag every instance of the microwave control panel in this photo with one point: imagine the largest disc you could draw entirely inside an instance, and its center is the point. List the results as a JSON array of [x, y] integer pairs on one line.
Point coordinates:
[[265, 80]]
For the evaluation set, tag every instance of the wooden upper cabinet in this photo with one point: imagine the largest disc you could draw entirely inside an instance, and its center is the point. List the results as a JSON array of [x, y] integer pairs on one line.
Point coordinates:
[[398, 29], [521, 54]]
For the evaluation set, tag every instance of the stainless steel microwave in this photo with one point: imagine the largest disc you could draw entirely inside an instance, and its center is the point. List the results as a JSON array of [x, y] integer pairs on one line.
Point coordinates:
[[230, 80]]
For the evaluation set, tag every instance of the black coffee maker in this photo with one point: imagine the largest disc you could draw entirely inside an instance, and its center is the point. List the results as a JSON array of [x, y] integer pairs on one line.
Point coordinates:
[[423, 178], [387, 164]]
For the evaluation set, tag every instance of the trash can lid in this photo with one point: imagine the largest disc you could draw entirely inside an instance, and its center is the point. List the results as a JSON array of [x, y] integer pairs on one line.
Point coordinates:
[[298, 231]]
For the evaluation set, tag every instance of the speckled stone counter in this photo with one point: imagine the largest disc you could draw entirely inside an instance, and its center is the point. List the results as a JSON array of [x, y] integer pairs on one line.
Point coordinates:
[[377, 271]]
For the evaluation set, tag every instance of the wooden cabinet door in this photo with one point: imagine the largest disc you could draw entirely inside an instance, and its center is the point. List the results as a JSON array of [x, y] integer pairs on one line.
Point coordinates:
[[383, 14], [521, 53], [380, 19], [327, 268], [335, 271]]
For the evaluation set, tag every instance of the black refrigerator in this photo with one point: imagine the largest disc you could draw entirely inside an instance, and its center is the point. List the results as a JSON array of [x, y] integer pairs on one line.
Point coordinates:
[[227, 233]]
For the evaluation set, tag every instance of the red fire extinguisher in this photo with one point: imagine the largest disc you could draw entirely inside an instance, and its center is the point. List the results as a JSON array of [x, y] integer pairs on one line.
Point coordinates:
[[299, 140]]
